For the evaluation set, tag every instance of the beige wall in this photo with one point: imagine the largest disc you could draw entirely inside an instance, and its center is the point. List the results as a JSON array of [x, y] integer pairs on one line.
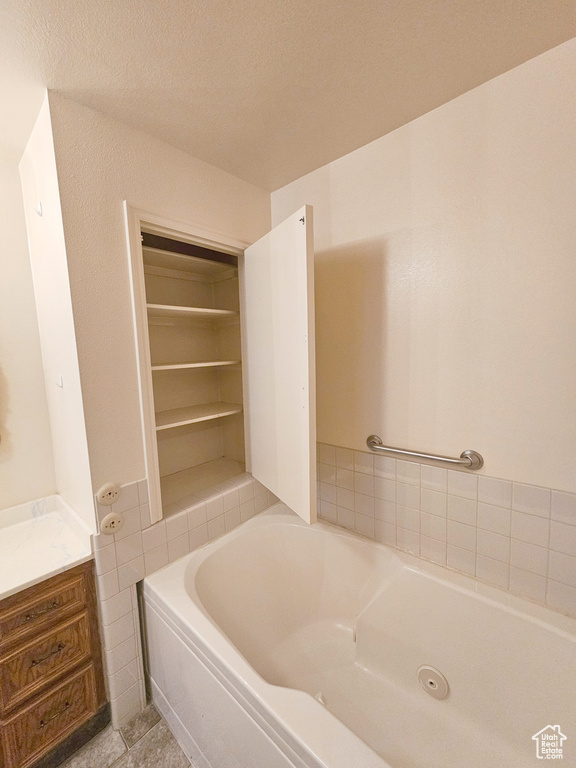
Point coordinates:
[[55, 319], [26, 461], [446, 279], [100, 163]]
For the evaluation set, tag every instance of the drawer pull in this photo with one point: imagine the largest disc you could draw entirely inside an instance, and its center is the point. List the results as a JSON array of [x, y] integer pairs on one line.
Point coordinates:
[[45, 721], [34, 615], [56, 649]]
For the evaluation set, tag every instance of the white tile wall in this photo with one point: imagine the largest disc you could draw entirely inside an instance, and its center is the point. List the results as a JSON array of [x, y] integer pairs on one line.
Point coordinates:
[[518, 537], [139, 549]]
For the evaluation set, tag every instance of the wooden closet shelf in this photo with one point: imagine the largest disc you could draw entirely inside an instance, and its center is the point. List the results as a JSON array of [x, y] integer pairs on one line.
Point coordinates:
[[199, 364], [195, 413], [200, 313]]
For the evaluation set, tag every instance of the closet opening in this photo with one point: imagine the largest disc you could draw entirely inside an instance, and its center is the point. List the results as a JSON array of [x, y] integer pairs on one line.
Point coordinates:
[[225, 348], [193, 311]]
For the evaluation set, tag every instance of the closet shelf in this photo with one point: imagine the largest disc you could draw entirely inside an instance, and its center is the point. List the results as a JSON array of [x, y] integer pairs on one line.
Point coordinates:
[[195, 413], [200, 364], [201, 313], [156, 257]]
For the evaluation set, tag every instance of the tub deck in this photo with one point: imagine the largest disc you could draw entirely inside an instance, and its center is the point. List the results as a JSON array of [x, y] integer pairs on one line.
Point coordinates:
[[321, 633]]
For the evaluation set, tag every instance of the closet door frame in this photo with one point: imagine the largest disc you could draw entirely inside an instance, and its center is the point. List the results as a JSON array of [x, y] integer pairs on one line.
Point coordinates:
[[137, 220]]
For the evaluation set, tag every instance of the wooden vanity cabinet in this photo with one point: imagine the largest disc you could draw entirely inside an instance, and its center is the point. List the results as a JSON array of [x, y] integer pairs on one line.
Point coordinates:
[[52, 694]]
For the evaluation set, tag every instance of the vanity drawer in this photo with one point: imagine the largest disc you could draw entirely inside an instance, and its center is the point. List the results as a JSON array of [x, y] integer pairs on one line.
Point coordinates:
[[33, 666], [36, 729], [33, 610]]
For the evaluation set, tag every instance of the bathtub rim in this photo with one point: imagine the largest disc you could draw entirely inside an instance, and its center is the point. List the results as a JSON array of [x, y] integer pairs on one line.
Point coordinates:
[[294, 715], [293, 710], [280, 514], [284, 725]]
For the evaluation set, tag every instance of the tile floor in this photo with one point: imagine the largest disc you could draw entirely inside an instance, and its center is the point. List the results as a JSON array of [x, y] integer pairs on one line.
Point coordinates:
[[146, 742]]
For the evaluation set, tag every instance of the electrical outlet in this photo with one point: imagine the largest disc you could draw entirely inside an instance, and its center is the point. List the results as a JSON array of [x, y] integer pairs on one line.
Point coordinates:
[[112, 523], [108, 494]]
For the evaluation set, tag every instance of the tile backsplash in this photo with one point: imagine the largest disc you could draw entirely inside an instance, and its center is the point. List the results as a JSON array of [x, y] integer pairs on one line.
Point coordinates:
[[518, 537], [139, 549]]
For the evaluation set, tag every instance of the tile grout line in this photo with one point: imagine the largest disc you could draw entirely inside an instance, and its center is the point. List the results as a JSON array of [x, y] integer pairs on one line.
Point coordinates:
[[128, 748], [123, 560], [340, 469]]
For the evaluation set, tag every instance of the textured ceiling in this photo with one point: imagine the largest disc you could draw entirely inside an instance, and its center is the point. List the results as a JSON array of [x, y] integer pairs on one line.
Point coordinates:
[[265, 90]]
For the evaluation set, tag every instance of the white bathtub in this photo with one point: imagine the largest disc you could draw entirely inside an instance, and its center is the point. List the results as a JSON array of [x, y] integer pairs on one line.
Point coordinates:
[[246, 634]]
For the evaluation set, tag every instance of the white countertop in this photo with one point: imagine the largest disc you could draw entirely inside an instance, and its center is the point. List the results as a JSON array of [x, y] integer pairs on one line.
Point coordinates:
[[38, 540]]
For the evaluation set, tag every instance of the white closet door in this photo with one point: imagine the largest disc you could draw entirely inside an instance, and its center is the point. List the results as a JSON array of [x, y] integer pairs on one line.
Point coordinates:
[[278, 361]]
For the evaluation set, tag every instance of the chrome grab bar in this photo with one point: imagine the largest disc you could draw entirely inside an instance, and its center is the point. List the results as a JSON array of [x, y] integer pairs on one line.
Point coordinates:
[[468, 459]]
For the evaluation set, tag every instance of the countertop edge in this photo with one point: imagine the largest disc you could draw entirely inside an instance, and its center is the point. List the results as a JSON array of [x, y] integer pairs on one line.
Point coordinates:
[[39, 578]]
